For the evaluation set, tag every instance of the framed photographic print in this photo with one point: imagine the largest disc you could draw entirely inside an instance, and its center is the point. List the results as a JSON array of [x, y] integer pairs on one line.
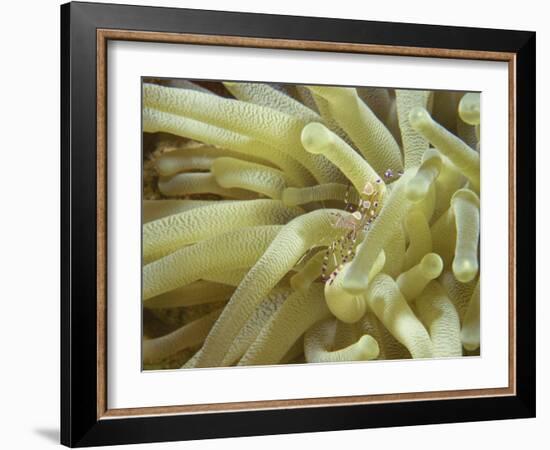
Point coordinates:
[[277, 224]]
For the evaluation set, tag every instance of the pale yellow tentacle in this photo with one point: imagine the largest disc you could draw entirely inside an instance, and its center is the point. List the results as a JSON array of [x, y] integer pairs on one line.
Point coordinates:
[[465, 206], [469, 108], [371, 137], [441, 319], [297, 314], [470, 333], [414, 144], [420, 238], [465, 158], [318, 345], [322, 192], [383, 228], [253, 327], [265, 95], [183, 184], [189, 335], [196, 293], [412, 282], [349, 308], [389, 305], [163, 236], [318, 139], [231, 173], [236, 249], [155, 121], [157, 209]]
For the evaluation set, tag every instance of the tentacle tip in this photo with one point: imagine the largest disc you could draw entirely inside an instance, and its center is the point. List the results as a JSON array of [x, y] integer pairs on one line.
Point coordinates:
[[419, 117], [344, 306], [465, 269], [314, 137], [470, 344], [469, 108], [432, 265], [368, 346]]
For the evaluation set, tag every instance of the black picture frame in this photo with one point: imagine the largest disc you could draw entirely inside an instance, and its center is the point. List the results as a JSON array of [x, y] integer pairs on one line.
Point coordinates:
[[81, 423]]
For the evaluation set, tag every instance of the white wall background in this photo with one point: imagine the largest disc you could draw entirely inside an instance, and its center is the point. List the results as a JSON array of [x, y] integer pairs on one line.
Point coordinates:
[[29, 224]]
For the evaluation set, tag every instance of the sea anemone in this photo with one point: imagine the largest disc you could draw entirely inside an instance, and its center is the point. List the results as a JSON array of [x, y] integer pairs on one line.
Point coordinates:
[[291, 224]]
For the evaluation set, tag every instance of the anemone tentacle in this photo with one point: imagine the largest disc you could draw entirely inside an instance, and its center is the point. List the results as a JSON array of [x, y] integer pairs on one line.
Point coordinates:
[[183, 184], [255, 324], [323, 107], [391, 308], [459, 293], [196, 293], [414, 144], [444, 236], [193, 158], [468, 133], [395, 251], [465, 206], [389, 347], [293, 196], [464, 157], [346, 307], [187, 336], [419, 185], [264, 95], [420, 238], [235, 249], [296, 315], [155, 121], [231, 173], [412, 282], [231, 277], [318, 345], [157, 209], [371, 137], [264, 124], [163, 236], [441, 319], [318, 139], [469, 108], [302, 280], [378, 100], [471, 327], [386, 224]]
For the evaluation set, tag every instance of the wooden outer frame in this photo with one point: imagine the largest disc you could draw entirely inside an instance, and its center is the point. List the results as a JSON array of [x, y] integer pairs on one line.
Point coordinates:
[[103, 36], [86, 28]]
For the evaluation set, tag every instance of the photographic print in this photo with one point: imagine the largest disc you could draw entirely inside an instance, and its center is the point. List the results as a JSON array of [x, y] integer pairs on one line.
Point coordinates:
[[291, 222], [294, 224]]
